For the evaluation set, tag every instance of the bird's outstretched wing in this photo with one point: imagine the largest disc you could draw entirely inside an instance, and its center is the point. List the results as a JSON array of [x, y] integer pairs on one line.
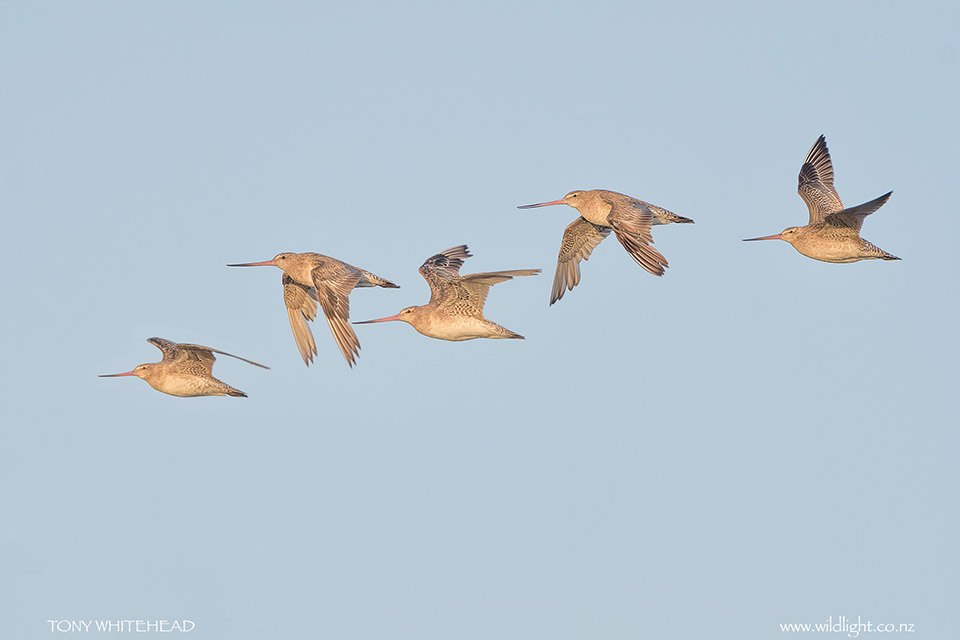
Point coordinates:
[[580, 238], [439, 269], [174, 351], [467, 294], [301, 302], [632, 229], [852, 218], [815, 183], [334, 281]]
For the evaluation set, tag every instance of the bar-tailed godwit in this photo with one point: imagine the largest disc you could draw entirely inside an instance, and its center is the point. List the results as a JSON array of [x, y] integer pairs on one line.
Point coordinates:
[[185, 371], [602, 211], [833, 233], [309, 278], [455, 310]]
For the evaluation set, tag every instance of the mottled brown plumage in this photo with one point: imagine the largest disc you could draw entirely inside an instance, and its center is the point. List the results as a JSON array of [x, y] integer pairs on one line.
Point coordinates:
[[833, 233], [310, 279], [455, 310], [186, 370], [603, 211]]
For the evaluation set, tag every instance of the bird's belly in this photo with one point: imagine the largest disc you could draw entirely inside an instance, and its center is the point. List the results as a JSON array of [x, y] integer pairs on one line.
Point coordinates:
[[456, 328], [840, 251], [185, 386]]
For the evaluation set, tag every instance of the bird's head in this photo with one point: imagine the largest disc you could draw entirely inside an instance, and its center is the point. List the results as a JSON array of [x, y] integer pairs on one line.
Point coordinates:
[[575, 199], [141, 371]]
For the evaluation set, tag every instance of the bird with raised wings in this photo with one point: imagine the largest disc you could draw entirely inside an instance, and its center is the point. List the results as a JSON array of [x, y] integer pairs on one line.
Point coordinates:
[[833, 233], [602, 211], [186, 371], [312, 278], [455, 310]]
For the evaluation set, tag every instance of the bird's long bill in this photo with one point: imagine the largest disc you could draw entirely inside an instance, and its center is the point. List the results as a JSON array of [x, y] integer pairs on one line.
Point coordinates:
[[265, 263], [542, 204], [387, 319], [775, 237], [117, 375]]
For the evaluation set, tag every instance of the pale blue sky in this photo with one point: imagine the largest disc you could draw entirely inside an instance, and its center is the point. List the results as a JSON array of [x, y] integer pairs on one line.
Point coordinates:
[[755, 438]]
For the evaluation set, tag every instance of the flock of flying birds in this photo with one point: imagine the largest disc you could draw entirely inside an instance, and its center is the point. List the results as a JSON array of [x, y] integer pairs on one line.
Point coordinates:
[[455, 310]]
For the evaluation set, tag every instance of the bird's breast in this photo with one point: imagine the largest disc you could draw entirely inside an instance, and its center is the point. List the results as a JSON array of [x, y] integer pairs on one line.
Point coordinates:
[[596, 215]]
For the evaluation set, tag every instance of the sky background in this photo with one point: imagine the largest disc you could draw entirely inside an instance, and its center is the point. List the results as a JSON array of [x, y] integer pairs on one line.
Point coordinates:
[[756, 438]]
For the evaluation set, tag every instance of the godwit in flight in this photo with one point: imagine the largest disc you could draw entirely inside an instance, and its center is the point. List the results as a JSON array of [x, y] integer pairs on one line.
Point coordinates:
[[455, 310], [602, 211], [833, 233], [185, 371], [309, 278]]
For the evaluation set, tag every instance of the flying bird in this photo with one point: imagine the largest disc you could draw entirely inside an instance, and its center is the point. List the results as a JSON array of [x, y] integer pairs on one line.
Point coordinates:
[[186, 370], [311, 278], [455, 310], [601, 212], [833, 233]]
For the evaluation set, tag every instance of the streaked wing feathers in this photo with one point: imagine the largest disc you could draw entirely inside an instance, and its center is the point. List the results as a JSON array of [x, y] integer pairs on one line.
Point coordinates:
[[815, 183], [468, 294], [852, 218], [167, 347], [580, 238], [301, 302], [198, 353], [333, 287], [633, 232], [438, 269]]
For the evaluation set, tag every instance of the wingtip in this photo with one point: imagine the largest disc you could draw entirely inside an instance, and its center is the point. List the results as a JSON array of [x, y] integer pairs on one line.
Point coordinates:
[[352, 358]]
